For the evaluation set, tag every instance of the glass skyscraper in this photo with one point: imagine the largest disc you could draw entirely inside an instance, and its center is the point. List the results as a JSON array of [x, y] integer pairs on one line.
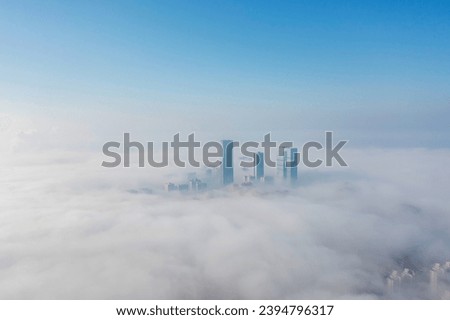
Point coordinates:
[[287, 164], [294, 164], [227, 162], [259, 165]]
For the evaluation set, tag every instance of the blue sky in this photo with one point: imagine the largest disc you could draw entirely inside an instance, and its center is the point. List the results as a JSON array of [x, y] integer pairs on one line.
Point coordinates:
[[369, 69]]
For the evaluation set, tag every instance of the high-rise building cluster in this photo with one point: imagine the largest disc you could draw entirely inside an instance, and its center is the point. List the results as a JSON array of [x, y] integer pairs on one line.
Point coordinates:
[[287, 166], [225, 175], [436, 279]]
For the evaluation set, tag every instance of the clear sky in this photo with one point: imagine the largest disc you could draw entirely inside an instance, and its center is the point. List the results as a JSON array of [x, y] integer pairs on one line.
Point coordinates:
[[370, 69]]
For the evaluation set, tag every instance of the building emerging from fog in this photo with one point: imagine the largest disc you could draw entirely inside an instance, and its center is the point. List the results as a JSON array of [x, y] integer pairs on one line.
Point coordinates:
[[227, 162], [294, 160], [281, 164], [440, 279], [258, 166], [287, 164], [401, 284], [400, 280]]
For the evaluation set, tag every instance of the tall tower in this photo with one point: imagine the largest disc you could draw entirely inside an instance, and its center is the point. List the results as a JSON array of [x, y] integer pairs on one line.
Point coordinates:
[[435, 271], [287, 164], [281, 164], [293, 164], [258, 165], [227, 162]]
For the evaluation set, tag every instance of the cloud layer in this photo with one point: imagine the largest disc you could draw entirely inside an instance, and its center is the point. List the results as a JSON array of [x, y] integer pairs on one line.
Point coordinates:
[[71, 230]]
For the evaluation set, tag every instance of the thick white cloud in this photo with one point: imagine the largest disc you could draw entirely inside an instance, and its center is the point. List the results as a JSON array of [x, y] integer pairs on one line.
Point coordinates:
[[71, 230]]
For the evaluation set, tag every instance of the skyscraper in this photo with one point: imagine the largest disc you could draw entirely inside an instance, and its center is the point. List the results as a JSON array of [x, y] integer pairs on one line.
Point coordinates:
[[281, 164], [258, 163], [287, 164], [294, 159], [227, 162]]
